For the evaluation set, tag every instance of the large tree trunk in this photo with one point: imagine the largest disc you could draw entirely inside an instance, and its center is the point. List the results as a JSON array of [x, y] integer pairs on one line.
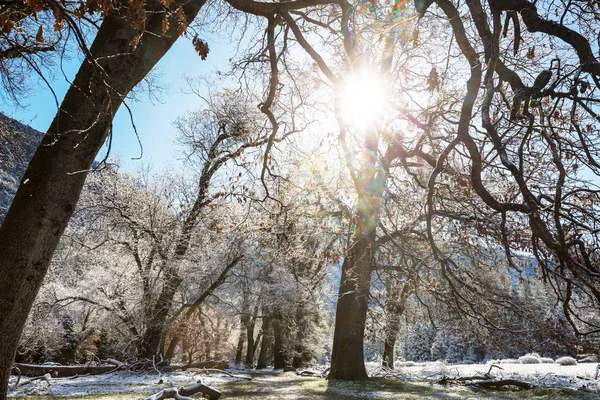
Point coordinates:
[[240, 347], [298, 360], [278, 350], [244, 322], [51, 186], [266, 343], [347, 358], [150, 344], [250, 350]]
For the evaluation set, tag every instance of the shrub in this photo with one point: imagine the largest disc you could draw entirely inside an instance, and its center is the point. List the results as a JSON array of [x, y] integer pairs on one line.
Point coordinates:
[[404, 364], [532, 358], [566, 361], [509, 361], [547, 360]]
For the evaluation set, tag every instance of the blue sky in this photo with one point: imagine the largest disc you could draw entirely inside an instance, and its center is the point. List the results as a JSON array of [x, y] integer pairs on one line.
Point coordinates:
[[154, 122]]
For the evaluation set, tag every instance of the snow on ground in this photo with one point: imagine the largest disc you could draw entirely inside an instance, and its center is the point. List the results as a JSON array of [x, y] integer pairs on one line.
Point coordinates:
[[580, 376], [112, 383]]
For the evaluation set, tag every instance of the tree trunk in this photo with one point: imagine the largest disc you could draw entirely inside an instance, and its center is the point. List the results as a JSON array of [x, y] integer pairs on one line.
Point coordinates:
[[388, 352], [244, 321], [150, 343], [298, 360], [250, 336], [250, 346], [266, 343], [240, 347], [51, 186], [347, 358], [278, 350]]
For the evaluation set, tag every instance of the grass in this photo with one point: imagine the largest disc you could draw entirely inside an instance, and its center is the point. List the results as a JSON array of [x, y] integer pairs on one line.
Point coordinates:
[[275, 387]]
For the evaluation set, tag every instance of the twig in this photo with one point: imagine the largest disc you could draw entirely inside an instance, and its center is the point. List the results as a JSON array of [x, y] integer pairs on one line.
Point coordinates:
[[19, 377]]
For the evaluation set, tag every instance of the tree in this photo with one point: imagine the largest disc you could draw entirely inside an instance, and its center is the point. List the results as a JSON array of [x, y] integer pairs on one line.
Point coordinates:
[[67, 353], [49, 191], [490, 167]]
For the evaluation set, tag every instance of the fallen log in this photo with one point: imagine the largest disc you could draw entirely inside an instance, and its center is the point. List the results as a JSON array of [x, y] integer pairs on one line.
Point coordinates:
[[219, 364], [219, 371], [184, 393], [461, 379], [501, 383], [60, 371]]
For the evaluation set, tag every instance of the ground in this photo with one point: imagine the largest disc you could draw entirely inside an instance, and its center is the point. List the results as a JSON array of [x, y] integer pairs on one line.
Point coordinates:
[[410, 383]]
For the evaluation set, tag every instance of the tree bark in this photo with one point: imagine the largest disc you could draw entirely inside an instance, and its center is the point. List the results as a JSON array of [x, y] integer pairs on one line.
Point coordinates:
[[51, 186]]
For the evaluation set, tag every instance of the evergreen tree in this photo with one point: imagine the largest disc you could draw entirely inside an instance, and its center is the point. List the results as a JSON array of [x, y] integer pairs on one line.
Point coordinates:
[[418, 342], [67, 353], [105, 346]]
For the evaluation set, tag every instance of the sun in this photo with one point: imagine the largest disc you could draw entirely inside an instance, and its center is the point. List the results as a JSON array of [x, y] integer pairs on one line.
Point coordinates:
[[363, 100]]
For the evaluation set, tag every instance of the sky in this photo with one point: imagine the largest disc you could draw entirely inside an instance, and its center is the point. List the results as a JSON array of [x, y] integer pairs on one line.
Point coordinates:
[[154, 120]]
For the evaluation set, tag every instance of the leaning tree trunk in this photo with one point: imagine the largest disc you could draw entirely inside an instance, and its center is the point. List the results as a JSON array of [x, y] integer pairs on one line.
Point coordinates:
[[150, 344], [52, 183]]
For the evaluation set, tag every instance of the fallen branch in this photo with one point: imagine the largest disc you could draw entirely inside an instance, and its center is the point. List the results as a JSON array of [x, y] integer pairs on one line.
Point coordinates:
[[114, 362], [19, 377], [185, 392]]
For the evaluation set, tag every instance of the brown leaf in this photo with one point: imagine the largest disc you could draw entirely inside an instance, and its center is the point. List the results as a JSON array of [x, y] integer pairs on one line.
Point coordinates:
[[134, 41], [39, 37], [201, 47], [433, 80], [5, 23], [531, 53]]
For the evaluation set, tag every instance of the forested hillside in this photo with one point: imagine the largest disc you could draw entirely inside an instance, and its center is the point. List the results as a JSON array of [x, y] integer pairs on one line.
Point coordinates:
[[18, 142]]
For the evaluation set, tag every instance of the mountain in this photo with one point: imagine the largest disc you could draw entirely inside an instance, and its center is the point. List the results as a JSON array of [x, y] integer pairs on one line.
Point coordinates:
[[18, 143]]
